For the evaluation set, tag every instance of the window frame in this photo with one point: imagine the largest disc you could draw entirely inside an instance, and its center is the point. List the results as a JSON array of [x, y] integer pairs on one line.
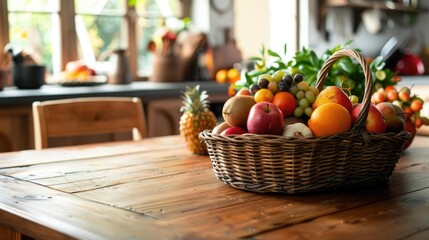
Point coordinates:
[[68, 45]]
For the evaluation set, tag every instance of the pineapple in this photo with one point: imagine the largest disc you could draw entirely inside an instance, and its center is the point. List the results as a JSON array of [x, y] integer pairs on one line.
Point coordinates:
[[196, 118]]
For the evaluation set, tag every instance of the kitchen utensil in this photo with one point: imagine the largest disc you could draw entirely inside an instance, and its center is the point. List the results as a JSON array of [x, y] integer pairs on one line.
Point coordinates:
[[393, 50], [166, 68], [410, 64], [374, 20], [30, 76], [120, 72]]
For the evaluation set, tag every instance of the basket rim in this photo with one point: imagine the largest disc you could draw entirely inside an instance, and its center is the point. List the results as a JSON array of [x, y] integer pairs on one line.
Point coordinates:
[[207, 133]]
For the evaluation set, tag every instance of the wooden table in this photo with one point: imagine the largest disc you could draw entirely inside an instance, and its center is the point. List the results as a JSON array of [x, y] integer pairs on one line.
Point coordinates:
[[156, 189]]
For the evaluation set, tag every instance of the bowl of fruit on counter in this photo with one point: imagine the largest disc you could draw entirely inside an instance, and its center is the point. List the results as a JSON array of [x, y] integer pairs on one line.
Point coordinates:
[[78, 73]]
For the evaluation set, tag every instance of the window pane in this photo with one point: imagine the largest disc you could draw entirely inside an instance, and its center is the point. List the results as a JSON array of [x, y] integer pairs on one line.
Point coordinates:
[[154, 14], [97, 34], [158, 8], [33, 5], [37, 33], [100, 6]]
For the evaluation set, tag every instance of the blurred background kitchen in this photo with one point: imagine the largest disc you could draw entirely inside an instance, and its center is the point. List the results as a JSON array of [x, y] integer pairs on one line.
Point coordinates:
[[55, 32]]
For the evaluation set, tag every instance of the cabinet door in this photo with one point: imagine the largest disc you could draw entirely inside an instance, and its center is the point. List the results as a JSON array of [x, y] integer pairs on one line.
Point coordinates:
[[163, 117], [16, 129]]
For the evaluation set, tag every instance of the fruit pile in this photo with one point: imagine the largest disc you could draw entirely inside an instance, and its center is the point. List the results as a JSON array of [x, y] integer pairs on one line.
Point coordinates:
[[410, 103], [77, 70], [285, 104], [230, 75]]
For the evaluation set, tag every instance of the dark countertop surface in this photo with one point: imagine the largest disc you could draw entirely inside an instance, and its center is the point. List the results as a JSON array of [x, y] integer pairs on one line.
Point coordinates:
[[12, 96], [146, 90]]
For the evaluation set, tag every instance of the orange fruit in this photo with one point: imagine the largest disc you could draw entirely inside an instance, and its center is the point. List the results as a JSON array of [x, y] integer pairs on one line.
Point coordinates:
[[330, 119], [233, 75], [264, 95], [222, 76], [286, 103]]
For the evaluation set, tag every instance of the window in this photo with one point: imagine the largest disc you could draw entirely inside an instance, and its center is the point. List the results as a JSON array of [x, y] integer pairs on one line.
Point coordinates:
[[57, 31], [33, 27], [152, 15], [100, 27]]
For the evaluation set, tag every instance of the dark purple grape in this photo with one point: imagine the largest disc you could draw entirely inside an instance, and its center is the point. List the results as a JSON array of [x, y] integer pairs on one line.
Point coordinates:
[[254, 88], [298, 78], [288, 79], [283, 87], [263, 83]]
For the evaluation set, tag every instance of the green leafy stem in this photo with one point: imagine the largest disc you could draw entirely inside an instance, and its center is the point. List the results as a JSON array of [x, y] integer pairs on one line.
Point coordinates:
[[346, 73]]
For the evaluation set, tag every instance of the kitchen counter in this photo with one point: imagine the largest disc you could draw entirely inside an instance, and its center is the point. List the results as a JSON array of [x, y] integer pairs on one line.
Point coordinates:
[[147, 91], [422, 80], [162, 102]]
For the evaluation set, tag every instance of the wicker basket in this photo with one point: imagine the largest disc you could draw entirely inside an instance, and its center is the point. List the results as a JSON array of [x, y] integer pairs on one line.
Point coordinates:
[[268, 163]]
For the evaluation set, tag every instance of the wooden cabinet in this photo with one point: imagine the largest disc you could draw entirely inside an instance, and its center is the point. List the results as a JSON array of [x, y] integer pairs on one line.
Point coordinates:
[[162, 103], [162, 116], [16, 129]]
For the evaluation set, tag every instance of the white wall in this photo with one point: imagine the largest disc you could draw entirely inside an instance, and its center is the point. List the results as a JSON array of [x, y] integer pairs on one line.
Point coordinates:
[[251, 25], [271, 23], [207, 20]]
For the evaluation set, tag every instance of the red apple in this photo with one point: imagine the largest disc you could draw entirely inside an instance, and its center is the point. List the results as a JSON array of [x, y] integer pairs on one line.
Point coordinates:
[[92, 72], [375, 122], [244, 91], [265, 118], [76, 66], [333, 94], [411, 128], [393, 115], [233, 131]]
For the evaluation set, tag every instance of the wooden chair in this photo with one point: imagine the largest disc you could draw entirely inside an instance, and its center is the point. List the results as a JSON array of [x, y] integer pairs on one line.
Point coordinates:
[[87, 116]]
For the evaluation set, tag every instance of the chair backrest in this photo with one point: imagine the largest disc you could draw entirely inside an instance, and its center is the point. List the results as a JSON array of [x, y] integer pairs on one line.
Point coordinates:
[[87, 116]]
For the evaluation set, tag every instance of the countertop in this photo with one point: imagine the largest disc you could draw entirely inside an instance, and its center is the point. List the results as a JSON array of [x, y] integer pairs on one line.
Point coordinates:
[[145, 90], [422, 80]]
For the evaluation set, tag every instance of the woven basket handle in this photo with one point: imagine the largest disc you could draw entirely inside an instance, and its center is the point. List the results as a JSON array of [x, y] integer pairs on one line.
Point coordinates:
[[366, 101]]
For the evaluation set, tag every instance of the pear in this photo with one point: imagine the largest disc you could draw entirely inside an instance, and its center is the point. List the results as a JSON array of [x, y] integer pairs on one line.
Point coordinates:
[[236, 110]]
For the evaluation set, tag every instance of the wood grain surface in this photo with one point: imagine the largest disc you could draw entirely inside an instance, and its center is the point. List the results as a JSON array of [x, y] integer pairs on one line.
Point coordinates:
[[156, 189]]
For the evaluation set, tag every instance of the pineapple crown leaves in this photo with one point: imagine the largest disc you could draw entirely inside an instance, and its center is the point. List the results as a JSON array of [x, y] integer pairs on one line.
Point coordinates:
[[194, 101]]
